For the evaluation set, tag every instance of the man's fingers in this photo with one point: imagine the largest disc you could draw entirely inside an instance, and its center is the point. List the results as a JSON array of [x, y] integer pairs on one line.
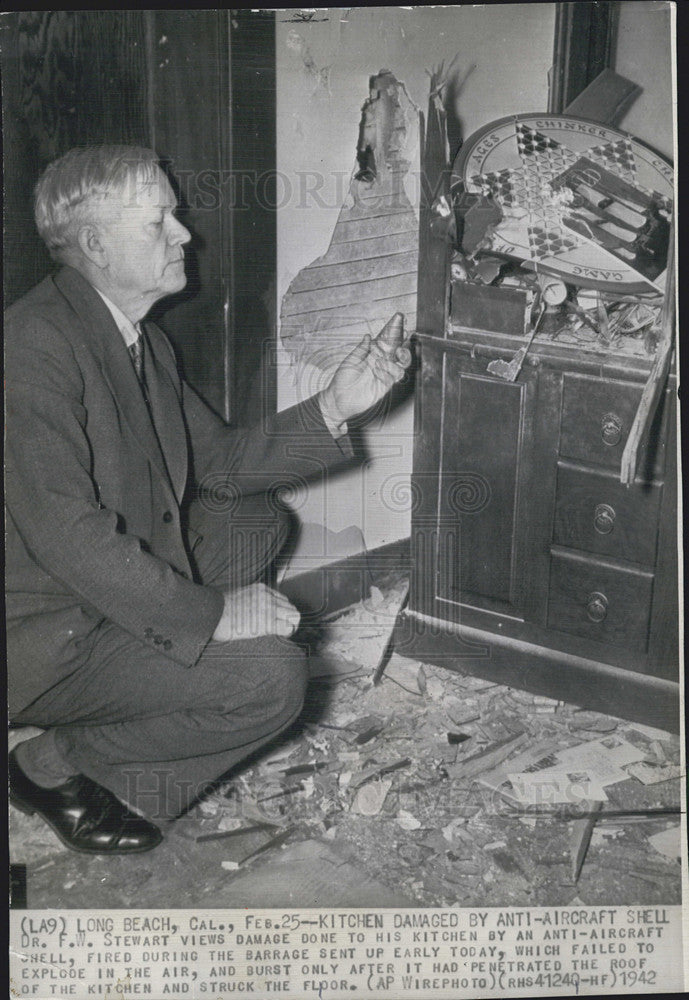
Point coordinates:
[[254, 611], [360, 352], [286, 628], [287, 621], [383, 376], [392, 363], [376, 351], [286, 615], [387, 371], [282, 603]]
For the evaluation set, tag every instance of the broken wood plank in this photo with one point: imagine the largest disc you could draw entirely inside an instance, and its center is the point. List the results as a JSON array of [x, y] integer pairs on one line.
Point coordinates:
[[606, 99], [567, 814], [281, 794], [308, 768], [434, 249], [390, 644], [653, 390], [581, 837], [225, 834], [486, 760], [275, 841], [366, 735], [379, 771]]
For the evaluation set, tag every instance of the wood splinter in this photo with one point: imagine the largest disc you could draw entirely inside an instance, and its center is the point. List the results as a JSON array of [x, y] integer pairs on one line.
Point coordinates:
[[582, 829]]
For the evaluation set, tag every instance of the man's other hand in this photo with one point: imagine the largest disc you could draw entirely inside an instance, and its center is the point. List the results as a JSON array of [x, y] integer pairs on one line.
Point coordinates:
[[254, 611], [361, 380]]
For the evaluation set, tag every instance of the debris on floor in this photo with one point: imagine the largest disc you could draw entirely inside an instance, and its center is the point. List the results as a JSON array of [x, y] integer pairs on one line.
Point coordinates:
[[433, 788], [668, 842]]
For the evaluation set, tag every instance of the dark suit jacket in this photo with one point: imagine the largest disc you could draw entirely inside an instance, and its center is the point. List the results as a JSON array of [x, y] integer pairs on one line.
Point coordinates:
[[94, 491]]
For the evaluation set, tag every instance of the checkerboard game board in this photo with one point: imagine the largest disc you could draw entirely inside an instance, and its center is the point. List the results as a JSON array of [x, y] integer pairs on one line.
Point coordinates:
[[517, 161]]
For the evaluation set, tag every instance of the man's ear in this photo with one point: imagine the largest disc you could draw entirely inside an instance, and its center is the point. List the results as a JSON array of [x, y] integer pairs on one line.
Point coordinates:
[[91, 246]]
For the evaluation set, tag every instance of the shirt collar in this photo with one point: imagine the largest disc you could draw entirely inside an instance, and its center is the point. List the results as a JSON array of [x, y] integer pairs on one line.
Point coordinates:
[[129, 331]]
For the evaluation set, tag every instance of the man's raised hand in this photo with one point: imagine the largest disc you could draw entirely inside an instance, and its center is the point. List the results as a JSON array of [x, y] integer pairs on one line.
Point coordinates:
[[366, 374], [254, 611]]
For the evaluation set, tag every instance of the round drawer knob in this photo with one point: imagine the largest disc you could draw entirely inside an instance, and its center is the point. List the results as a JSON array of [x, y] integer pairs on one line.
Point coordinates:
[[604, 518], [611, 429], [597, 606]]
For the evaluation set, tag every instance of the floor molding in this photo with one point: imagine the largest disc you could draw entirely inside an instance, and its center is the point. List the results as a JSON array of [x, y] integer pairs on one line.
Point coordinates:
[[324, 590]]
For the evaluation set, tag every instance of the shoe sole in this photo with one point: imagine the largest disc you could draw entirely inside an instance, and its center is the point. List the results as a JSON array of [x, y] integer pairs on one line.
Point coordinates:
[[32, 811]]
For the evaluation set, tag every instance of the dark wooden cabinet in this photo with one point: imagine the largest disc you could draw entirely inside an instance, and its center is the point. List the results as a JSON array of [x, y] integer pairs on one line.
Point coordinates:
[[532, 564]]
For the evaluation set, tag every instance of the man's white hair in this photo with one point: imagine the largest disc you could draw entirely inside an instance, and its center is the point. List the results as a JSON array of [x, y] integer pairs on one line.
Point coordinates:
[[67, 193]]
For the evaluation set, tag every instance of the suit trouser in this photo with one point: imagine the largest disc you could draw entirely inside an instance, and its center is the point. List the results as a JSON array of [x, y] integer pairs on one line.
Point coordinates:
[[158, 734]]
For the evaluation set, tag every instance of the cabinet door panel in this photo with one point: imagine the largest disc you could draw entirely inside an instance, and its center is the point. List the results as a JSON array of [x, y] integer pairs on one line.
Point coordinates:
[[479, 484]]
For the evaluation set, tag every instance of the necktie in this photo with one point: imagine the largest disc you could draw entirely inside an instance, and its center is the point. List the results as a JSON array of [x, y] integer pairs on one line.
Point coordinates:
[[136, 352]]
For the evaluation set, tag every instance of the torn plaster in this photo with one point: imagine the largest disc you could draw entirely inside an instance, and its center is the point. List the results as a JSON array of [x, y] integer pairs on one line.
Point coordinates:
[[369, 271]]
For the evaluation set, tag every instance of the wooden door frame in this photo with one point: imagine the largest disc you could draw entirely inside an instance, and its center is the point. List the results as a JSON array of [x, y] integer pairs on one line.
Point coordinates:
[[584, 45]]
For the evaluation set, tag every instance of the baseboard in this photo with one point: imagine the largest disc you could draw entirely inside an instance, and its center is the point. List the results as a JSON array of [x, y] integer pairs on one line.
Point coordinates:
[[322, 591], [540, 670]]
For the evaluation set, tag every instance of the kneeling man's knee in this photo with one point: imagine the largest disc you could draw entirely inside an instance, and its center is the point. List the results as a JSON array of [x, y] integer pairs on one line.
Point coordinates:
[[263, 680]]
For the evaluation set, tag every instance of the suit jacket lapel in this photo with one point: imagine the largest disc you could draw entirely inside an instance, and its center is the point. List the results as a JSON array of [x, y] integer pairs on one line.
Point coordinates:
[[167, 414], [102, 335]]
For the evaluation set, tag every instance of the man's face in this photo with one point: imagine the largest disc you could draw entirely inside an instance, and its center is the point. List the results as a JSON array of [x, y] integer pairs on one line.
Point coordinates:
[[143, 241]]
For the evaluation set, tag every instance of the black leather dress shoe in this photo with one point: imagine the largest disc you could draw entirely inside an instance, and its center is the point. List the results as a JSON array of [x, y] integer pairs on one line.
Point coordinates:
[[85, 816]]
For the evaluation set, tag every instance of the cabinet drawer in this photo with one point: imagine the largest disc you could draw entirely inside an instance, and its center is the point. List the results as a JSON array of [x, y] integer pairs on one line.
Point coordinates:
[[595, 513], [597, 415], [600, 602]]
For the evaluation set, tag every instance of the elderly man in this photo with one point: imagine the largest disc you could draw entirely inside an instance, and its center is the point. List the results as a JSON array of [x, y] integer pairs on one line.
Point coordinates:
[[142, 637]]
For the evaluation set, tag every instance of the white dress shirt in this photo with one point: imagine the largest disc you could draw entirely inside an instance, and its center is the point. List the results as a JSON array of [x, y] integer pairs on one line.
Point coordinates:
[[129, 331]]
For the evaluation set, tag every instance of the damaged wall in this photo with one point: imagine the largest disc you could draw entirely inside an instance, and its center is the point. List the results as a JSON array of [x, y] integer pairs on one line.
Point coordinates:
[[323, 69], [370, 268]]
